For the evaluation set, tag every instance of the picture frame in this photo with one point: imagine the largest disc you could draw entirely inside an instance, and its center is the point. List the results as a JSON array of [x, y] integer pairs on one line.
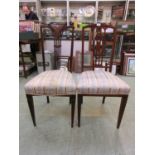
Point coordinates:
[[130, 66]]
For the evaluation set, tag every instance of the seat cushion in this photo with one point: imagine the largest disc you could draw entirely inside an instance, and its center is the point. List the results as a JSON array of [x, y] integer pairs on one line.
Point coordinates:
[[51, 83], [101, 82]]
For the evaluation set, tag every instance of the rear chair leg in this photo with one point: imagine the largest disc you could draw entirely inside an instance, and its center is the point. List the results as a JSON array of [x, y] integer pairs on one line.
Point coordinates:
[[48, 99], [80, 100], [31, 108], [72, 102], [121, 110], [103, 100]]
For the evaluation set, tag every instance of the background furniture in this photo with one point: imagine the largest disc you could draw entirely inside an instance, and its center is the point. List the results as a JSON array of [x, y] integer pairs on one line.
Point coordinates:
[[26, 63], [29, 33], [128, 63], [26, 69], [64, 8], [49, 61]]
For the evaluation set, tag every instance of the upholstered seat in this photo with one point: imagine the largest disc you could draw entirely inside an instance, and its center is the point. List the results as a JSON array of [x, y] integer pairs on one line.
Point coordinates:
[[51, 83], [101, 82]]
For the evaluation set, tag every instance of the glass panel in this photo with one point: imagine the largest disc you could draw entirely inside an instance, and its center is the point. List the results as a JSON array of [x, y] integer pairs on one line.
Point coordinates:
[[110, 10], [131, 11], [82, 13], [54, 12]]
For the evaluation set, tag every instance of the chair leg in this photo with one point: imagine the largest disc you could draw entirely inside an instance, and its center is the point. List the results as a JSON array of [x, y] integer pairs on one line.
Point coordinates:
[[103, 100], [68, 66], [48, 99], [31, 108], [72, 102], [80, 100], [121, 110]]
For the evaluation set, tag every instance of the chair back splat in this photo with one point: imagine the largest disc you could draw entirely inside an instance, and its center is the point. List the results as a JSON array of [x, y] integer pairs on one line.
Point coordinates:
[[57, 30], [101, 37]]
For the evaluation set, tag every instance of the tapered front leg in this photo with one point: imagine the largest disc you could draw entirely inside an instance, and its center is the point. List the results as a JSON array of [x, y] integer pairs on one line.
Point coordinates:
[[80, 100], [121, 110], [48, 99], [103, 100], [72, 102], [31, 108]]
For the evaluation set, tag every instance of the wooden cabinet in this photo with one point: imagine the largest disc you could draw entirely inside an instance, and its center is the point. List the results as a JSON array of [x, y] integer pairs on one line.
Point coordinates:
[[53, 11]]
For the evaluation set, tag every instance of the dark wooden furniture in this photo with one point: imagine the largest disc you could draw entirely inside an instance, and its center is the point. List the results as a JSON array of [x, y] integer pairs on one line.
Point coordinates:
[[57, 31], [32, 111], [101, 36], [29, 37], [128, 46], [124, 99], [99, 40], [22, 56]]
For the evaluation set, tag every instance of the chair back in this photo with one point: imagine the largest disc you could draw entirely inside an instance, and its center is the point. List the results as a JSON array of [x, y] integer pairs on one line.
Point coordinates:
[[102, 40], [57, 30]]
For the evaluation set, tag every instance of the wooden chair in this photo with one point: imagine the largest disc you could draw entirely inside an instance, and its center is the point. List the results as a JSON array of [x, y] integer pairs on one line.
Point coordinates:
[[54, 82], [57, 30], [100, 37], [101, 82]]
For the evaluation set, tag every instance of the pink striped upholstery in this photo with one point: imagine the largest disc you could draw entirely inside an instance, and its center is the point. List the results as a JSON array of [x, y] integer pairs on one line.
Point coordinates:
[[101, 82], [51, 83]]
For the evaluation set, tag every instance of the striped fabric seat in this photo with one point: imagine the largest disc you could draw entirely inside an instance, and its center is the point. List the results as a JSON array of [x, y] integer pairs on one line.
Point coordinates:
[[101, 82], [51, 83]]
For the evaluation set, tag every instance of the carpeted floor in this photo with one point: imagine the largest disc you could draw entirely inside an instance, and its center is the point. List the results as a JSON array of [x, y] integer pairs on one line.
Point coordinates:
[[96, 136]]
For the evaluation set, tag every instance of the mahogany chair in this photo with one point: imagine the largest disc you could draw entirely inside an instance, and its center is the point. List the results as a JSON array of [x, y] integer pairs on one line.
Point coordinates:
[[57, 30], [100, 37], [54, 82], [101, 82]]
